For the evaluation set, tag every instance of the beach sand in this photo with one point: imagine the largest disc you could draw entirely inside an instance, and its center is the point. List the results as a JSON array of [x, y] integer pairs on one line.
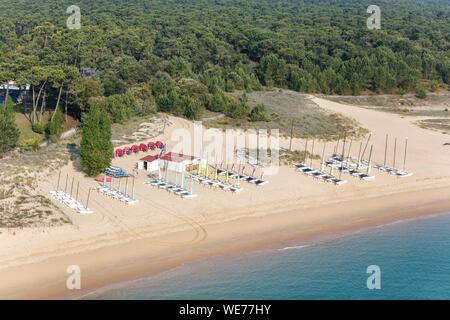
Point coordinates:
[[120, 242]]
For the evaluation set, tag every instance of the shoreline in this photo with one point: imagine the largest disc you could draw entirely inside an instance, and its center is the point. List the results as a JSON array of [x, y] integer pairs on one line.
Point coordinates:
[[283, 246], [133, 260]]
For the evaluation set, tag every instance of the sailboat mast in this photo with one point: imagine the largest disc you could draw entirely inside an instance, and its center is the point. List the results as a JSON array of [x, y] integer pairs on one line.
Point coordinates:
[[306, 151], [343, 147], [257, 147], [395, 153], [406, 150], [292, 134], [349, 150], [369, 167], [67, 179], [323, 156], [359, 154], [367, 144], [336, 148], [312, 152], [88, 197], [343, 155], [385, 150], [59, 178]]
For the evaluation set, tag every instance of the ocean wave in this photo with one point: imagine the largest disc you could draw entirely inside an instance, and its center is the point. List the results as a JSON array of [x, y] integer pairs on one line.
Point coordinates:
[[293, 248]]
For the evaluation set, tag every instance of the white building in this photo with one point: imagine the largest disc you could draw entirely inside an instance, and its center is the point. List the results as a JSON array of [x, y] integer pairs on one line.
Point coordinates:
[[149, 163], [175, 162]]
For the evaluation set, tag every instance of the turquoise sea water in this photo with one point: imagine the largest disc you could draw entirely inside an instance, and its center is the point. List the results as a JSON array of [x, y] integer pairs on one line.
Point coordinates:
[[414, 257]]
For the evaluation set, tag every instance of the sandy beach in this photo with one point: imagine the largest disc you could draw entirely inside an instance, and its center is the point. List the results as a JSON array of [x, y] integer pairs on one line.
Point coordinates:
[[120, 242]]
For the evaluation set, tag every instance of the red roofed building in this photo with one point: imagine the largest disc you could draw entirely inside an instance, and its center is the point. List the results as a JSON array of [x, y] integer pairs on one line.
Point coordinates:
[[177, 162], [177, 157], [149, 163], [150, 158]]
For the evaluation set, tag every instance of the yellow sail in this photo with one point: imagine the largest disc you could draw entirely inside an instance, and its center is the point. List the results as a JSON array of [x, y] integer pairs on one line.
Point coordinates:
[[207, 171], [216, 174], [199, 170], [227, 178]]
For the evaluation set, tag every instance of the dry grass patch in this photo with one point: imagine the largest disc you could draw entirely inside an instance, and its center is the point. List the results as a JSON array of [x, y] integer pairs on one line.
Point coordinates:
[[286, 108], [21, 205]]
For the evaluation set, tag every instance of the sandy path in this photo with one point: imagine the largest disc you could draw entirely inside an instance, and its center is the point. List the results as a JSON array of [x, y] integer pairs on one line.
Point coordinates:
[[428, 154]]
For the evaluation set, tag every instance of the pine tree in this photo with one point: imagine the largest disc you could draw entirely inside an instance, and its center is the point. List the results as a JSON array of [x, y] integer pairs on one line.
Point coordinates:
[[55, 126], [9, 133], [192, 109], [258, 113], [218, 102], [96, 146]]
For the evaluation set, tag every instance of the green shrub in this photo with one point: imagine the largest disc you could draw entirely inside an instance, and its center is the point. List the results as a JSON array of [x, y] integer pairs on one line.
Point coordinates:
[[421, 93], [55, 126], [9, 133], [38, 128], [434, 86], [218, 102], [31, 144], [192, 109], [121, 107], [237, 109], [258, 113]]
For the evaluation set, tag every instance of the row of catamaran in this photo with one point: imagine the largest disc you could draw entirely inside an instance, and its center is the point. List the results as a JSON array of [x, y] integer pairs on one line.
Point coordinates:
[[228, 180], [71, 202], [178, 188], [208, 175], [121, 194], [346, 164], [181, 190], [68, 199], [402, 173]]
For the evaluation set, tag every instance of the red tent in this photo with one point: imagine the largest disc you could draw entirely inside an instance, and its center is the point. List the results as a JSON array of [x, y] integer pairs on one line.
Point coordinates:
[[126, 151], [151, 145], [119, 153], [143, 147]]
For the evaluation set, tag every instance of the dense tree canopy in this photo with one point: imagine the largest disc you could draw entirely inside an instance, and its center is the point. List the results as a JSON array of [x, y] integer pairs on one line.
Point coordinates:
[[183, 55]]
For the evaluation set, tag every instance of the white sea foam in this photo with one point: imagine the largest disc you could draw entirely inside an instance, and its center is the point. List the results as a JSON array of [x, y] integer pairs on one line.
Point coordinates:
[[293, 248]]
